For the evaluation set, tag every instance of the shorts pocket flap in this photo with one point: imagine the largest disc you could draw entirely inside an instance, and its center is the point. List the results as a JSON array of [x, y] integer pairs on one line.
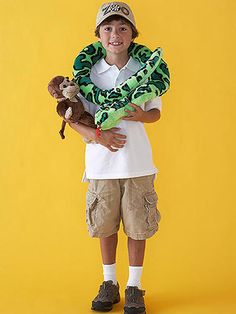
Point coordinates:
[[91, 199], [151, 198]]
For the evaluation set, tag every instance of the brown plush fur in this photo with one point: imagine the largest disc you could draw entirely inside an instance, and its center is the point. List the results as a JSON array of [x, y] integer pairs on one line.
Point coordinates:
[[70, 90]]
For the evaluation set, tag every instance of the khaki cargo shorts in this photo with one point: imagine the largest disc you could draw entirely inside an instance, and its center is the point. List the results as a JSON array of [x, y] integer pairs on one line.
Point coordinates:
[[132, 200]]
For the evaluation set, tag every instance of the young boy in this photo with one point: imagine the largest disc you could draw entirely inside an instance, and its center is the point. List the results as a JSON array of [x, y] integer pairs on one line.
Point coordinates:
[[119, 166]]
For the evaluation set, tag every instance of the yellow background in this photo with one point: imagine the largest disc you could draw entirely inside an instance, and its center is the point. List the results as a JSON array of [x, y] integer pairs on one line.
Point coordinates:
[[48, 263]]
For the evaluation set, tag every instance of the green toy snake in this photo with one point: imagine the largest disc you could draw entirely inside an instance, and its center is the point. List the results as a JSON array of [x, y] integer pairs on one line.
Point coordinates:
[[151, 80]]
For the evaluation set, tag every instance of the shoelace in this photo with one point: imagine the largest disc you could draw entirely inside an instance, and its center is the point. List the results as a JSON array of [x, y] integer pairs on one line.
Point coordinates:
[[134, 294], [104, 290]]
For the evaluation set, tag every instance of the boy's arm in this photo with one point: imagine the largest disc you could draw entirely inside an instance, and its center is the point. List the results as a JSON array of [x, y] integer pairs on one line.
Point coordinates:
[[109, 138], [83, 130], [139, 114]]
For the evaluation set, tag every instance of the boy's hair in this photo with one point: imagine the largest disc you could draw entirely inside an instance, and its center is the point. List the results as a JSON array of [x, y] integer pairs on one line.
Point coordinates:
[[117, 18]]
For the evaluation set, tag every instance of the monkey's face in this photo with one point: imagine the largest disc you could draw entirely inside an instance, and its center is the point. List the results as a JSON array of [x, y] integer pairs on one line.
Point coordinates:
[[69, 89]]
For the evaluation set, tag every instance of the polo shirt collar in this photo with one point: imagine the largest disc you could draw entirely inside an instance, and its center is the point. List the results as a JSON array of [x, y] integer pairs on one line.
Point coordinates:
[[103, 66]]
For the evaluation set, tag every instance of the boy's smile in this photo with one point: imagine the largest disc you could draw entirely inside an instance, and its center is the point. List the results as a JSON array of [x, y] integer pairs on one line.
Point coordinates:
[[116, 37]]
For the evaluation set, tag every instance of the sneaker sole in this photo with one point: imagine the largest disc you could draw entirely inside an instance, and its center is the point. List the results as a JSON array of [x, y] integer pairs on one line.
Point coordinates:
[[133, 310], [102, 307]]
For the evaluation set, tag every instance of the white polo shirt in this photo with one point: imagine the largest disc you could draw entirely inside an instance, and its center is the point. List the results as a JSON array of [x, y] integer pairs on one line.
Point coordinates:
[[135, 158]]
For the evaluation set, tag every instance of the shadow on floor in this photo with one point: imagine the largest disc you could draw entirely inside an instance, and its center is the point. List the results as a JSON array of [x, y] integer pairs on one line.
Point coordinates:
[[163, 302]]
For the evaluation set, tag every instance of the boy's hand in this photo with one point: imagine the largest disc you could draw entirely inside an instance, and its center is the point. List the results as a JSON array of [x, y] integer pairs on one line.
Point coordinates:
[[136, 115], [111, 139], [140, 115]]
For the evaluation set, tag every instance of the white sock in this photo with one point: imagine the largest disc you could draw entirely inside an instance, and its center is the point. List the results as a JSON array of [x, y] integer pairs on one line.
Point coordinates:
[[135, 273], [109, 272]]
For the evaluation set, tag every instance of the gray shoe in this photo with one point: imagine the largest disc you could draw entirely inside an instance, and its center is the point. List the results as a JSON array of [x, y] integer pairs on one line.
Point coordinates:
[[107, 296], [134, 301]]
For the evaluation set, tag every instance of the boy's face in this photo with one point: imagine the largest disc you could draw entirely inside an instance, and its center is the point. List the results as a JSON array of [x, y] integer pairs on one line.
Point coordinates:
[[115, 36]]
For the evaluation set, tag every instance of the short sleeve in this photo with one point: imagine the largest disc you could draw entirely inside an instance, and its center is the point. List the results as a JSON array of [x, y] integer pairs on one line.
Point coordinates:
[[154, 103]]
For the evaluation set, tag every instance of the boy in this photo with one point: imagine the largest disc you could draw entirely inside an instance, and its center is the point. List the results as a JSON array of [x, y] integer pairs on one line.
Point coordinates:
[[119, 165]]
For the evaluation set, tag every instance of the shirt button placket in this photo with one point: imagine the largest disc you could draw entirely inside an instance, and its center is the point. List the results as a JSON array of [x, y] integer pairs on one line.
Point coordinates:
[[119, 78], [115, 77]]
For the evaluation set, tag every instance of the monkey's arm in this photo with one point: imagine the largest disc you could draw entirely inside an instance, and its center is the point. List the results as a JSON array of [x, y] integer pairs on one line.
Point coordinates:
[[61, 132]]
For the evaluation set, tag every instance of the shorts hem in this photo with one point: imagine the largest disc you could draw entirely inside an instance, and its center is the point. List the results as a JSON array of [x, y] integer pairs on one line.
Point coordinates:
[[141, 236], [94, 234]]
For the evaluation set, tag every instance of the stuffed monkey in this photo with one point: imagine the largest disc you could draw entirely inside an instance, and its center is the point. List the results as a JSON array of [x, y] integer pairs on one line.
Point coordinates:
[[69, 105]]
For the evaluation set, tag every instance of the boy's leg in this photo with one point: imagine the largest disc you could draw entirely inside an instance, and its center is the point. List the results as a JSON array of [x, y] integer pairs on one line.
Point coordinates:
[[136, 250], [134, 301], [103, 219], [109, 290], [140, 219], [108, 247]]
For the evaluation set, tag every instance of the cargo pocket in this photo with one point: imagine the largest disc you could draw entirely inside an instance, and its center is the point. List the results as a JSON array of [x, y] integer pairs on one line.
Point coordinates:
[[91, 206], [152, 213]]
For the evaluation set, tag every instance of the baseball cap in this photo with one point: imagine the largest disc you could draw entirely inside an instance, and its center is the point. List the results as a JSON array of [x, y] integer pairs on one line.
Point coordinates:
[[114, 8]]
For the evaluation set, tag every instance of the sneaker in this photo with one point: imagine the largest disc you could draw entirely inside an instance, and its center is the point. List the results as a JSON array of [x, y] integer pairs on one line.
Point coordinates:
[[134, 301], [107, 296]]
